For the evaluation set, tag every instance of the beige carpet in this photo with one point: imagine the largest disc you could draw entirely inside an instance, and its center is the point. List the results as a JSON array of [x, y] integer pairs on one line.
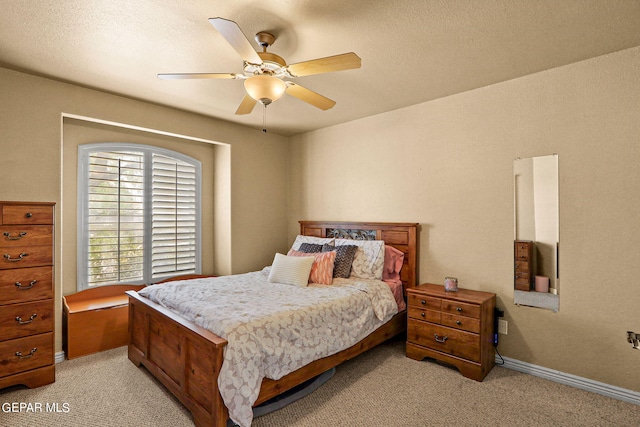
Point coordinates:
[[379, 388]]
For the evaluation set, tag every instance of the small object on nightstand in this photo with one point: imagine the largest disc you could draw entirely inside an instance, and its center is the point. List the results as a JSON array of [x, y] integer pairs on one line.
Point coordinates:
[[451, 284]]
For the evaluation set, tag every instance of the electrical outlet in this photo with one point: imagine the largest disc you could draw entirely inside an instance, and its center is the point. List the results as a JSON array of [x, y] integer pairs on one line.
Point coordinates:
[[502, 326]]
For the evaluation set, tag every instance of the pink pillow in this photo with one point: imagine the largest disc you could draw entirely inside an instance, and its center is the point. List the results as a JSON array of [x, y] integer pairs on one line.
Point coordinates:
[[322, 268], [393, 259]]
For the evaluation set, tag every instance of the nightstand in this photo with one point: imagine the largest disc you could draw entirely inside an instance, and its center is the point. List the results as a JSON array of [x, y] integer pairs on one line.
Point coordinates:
[[452, 327]]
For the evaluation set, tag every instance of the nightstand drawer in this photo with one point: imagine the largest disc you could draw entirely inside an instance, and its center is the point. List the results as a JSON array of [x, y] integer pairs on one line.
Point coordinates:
[[423, 314], [447, 340], [460, 322], [414, 300], [461, 308]]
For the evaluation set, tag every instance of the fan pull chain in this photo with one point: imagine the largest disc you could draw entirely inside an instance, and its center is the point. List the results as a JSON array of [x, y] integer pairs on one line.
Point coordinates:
[[264, 119]]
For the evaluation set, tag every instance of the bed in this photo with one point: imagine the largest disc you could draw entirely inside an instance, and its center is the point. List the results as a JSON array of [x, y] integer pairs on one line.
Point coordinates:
[[187, 358]]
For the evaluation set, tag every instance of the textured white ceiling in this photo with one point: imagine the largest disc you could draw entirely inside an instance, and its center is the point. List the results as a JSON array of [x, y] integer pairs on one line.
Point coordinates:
[[412, 50]]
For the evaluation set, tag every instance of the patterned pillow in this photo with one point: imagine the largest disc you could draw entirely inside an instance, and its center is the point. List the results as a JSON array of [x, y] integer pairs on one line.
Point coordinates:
[[344, 258], [322, 269], [369, 259], [310, 248], [290, 270]]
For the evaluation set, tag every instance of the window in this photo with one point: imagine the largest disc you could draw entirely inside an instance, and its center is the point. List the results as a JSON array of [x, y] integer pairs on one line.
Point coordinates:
[[138, 214]]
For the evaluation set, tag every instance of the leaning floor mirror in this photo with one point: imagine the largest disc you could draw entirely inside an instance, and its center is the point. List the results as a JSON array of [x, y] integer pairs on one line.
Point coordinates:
[[536, 232]]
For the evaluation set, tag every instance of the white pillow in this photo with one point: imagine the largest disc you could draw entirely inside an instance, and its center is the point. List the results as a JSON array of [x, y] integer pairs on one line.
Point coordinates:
[[300, 239], [291, 270], [368, 262]]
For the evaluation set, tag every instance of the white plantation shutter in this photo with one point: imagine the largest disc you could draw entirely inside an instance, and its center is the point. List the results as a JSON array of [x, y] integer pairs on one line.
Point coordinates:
[[174, 201], [115, 217], [139, 214]]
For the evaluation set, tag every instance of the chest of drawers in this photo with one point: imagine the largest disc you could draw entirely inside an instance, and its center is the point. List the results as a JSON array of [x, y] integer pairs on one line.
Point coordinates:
[[453, 327], [524, 265], [26, 294]]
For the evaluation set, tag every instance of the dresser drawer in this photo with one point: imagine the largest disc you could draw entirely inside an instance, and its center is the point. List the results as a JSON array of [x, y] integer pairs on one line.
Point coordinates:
[[522, 248], [20, 320], [522, 266], [26, 235], [447, 340], [27, 214], [424, 314], [26, 284], [461, 308], [416, 300], [29, 256], [23, 354]]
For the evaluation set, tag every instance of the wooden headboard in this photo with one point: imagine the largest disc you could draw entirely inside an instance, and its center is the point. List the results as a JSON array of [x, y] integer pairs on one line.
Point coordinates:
[[400, 235]]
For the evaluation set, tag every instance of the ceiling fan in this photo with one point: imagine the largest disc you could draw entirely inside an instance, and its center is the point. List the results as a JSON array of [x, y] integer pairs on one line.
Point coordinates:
[[265, 74]]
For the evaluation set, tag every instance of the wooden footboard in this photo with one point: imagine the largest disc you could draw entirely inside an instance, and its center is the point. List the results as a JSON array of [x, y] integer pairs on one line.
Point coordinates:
[[184, 357]]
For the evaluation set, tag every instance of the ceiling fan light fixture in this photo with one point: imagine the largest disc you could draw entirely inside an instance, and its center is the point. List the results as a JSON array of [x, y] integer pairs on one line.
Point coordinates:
[[264, 88]]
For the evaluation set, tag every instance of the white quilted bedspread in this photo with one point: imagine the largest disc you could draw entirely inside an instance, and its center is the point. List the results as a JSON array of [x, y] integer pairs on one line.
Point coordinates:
[[273, 329]]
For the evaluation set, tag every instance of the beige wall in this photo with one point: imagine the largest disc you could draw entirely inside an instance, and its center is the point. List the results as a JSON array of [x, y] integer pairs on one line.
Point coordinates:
[[249, 180], [447, 164]]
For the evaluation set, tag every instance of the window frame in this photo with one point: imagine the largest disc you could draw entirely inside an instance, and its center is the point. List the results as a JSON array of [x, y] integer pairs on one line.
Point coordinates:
[[84, 152]]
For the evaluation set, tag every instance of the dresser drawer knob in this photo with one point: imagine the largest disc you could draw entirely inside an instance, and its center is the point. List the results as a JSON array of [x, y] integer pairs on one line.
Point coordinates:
[[440, 339], [21, 286], [458, 308], [422, 314], [26, 356], [8, 257], [458, 322], [423, 302], [16, 237], [24, 322], [28, 215]]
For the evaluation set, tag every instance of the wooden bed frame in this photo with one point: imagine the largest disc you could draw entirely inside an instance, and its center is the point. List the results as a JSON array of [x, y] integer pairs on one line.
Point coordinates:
[[187, 358]]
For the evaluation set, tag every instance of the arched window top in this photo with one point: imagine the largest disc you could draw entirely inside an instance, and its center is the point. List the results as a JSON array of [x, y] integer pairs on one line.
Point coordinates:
[[139, 218]]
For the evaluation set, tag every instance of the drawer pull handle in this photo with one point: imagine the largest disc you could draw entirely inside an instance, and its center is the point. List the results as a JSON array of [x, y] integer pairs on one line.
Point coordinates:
[[24, 322], [28, 215], [440, 340], [18, 237], [21, 286], [422, 314], [458, 322], [423, 302], [459, 309], [8, 257], [19, 353]]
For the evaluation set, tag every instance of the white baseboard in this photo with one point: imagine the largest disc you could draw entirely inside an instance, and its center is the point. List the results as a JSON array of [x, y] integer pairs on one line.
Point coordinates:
[[59, 357], [571, 380]]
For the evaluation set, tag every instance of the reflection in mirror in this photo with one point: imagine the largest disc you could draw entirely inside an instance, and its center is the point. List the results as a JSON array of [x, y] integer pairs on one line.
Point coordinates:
[[536, 224]]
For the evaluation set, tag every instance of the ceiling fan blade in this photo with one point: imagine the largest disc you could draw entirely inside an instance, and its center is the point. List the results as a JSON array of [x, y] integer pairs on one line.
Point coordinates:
[[183, 76], [236, 38], [246, 106], [346, 61], [310, 96]]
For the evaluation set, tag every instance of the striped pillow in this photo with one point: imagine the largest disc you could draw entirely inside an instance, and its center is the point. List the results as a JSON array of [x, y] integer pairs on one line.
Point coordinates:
[[322, 269], [291, 270]]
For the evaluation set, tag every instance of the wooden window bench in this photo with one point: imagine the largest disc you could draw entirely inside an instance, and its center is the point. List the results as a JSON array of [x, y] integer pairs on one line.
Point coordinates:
[[96, 319]]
